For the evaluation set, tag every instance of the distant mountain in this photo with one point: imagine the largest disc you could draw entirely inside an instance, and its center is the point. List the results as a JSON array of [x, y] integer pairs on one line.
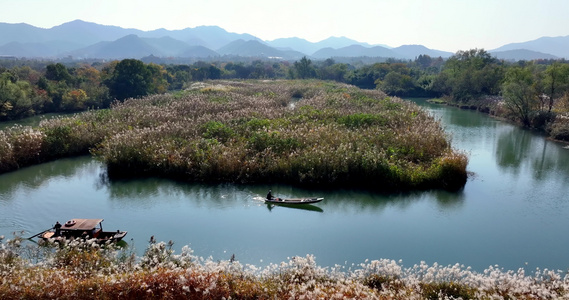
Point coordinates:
[[84, 39], [130, 46], [197, 52], [50, 49], [87, 33], [521, 54], [402, 52], [295, 44], [21, 33], [355, 51], [167, 46], [557, 46], [304, 46], [413, 51], [26, 50], [255, 48], [81, 39], [340, 42], [212, 37]]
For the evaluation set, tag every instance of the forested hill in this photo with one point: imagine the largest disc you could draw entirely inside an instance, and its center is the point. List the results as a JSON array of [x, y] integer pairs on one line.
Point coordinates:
[[84, 40]]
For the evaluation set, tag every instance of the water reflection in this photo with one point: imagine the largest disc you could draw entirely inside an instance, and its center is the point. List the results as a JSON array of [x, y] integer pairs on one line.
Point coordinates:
[[365, 201], [511, 149], [465, 120], [307, 207], [545, 161], [462, 118], [449, 200], [31, 121], [152, 189], [522, 151], [516, 151], [33, 177]]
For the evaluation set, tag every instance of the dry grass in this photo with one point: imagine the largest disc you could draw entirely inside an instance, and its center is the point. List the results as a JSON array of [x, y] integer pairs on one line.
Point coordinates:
[[83, 270], [299, 132]]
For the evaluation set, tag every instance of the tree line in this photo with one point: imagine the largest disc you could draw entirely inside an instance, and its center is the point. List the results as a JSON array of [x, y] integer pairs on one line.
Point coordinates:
[[33, 87], [532, 92]]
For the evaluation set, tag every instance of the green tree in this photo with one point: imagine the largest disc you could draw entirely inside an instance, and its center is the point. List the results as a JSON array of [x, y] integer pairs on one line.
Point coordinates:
[[366, 77], [424, 61], [330, 70], [74, 100], [56, 90], [304, 68], [180, 75], [90, 80], [469, 75], [15, 97], [58, 72], [202, 71], [130, 79], [556, 82], [519, 93], [239, 70], [213, 72], [160, 78], [397, 84]]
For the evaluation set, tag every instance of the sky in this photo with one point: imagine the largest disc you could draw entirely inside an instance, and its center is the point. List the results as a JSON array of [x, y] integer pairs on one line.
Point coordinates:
[[448, 25]]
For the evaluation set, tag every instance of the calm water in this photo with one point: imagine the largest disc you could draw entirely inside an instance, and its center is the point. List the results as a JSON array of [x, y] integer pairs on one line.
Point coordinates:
[[512, 212], [31, 121]]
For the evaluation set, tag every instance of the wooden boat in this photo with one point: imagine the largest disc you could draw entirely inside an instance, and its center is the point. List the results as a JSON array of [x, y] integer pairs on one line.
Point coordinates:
[[294, 201], [83, 228]]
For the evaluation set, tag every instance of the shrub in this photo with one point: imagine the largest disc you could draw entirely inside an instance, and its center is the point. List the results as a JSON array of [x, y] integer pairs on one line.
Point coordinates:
[[58, 141], [216, 130], [19, 147], [273, 140], [541, 119], [362, 119], [560, 128], [447, 290]]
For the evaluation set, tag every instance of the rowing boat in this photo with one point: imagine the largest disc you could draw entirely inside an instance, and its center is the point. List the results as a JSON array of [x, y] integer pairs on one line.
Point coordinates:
[[294, 200], [83, 228]]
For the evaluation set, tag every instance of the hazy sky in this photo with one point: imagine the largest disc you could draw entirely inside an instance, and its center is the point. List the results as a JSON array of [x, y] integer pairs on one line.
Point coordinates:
[[448, 25]]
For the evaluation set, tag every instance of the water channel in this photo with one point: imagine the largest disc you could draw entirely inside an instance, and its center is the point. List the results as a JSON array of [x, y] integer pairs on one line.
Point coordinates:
[[512, 212]]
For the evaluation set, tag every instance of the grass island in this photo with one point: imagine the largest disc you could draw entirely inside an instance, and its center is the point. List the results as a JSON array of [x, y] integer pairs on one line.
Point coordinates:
[[313, 133]]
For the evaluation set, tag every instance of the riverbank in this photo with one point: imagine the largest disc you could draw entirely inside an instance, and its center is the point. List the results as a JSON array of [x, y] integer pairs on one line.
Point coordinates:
[[555, 125], [312, 133], [83, 270]]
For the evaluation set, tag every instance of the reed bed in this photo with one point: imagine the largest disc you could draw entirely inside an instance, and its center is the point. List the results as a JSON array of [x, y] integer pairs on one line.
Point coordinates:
[[82, 269], [298, 132]]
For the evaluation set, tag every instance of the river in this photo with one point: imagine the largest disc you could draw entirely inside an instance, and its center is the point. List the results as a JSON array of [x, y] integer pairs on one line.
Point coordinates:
[[512, 212]]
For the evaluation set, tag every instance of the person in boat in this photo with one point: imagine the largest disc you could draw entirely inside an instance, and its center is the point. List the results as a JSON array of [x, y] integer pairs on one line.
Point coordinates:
[[270, 195], [57, 228]]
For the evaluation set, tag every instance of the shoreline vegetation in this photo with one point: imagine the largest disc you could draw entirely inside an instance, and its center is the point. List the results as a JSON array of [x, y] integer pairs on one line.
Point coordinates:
[[533, 94], [555, 127], [303, 132], [82, 269]]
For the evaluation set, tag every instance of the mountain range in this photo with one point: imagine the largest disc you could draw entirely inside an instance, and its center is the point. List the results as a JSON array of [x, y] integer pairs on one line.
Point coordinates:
[[85, 40]]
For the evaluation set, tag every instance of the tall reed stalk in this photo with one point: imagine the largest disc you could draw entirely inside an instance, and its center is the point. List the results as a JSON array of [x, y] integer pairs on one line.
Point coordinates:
[[298, 132], [82, 269]]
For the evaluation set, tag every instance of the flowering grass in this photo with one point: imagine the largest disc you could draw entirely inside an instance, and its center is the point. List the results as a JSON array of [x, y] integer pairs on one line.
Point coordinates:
[[84, 270], [298, 132]]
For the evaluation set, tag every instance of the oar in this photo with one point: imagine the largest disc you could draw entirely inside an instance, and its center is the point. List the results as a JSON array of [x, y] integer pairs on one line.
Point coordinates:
[[33, 236]]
